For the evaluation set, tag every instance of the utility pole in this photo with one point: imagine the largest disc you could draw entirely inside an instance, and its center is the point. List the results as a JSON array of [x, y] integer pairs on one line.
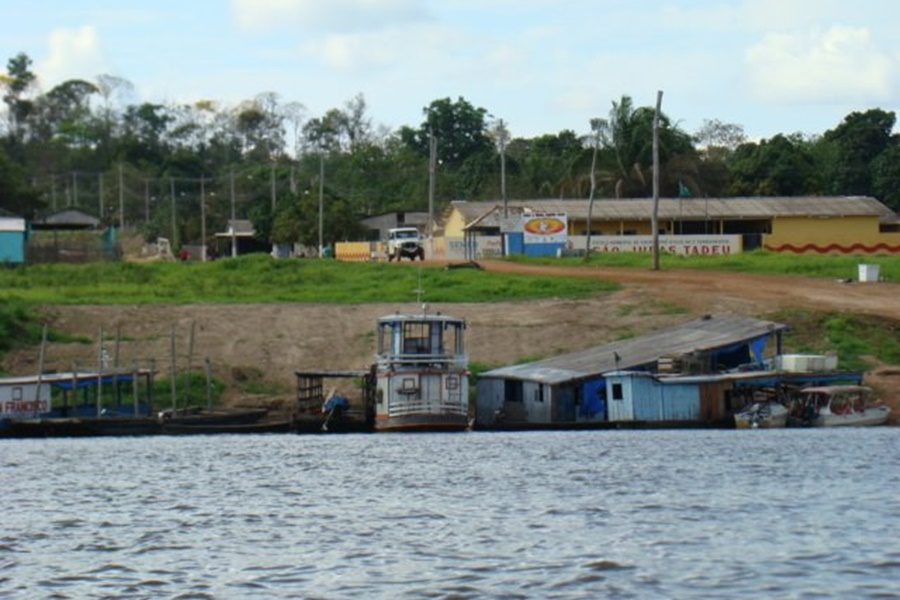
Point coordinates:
[[233, 238], [502, 136], [146, 201], [432, 168], [203, 217], [272, 189], [172, 244], [100, 194], [121, 200], [655, 220], [321, 199]]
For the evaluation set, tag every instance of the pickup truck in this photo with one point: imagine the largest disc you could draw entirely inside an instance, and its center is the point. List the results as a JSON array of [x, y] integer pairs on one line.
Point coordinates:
[[404, 242]]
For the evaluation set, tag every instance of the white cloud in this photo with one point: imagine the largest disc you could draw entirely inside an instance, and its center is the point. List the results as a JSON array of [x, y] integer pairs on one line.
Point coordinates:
[[332, 16], [756, 15], [837, 65], [352, 52], [72, 54]]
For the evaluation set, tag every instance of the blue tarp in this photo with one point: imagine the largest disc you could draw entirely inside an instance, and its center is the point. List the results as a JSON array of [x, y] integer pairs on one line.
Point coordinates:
[[593, 405], [84, 381], [336, 403]]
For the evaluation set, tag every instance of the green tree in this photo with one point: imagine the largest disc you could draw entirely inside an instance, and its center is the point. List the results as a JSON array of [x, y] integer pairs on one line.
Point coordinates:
[[17, 82], [628, 135], [547, 163], [64, 115], [16, 196], [461, 130], [144, 135], [859, 139], [780, 166], [886, 175]]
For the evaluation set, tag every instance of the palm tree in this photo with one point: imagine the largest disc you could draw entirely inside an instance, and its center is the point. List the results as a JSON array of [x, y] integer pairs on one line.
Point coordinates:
[[628, 134]]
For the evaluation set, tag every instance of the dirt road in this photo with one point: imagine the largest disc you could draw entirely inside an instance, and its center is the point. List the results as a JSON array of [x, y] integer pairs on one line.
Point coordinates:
[[706, 291]]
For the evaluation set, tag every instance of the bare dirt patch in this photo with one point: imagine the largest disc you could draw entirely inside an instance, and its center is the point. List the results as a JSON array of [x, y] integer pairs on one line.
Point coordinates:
[[274, 340]]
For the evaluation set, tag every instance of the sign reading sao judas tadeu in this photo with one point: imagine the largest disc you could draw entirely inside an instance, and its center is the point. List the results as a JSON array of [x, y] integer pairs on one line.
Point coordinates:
[[701, 245]]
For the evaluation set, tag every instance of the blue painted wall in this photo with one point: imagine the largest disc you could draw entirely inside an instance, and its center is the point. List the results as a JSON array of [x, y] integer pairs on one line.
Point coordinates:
[[12, 247], [542, 249]]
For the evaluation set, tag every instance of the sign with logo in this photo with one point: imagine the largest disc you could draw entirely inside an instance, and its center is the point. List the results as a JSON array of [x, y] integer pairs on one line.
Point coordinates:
[[545, 229]]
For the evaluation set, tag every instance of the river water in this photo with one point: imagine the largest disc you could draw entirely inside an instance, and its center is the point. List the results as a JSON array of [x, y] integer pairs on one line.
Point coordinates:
[[590, 514]]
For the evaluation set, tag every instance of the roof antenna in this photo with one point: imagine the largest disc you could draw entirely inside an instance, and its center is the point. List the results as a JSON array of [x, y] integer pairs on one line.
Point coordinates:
[[420, 292]]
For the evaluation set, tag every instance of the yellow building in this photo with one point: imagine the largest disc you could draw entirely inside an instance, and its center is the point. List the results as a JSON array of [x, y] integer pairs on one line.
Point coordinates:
[[858, 224]]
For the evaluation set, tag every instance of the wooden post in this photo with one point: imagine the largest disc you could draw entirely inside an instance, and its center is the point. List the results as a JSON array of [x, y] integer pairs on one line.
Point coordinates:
[[149, 385], [208, 384], [190, 358], [37, 392], [100, 373], [134, 387], [74, 384], [172, 372]]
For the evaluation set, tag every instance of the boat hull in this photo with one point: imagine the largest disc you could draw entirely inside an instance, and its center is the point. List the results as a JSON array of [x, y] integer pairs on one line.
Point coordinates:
[[80, 427], [762, 416], [876, 415], [422, 422]]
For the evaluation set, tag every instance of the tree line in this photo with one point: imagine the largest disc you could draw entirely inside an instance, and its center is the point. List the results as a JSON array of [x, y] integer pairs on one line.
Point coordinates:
[[168, 168]]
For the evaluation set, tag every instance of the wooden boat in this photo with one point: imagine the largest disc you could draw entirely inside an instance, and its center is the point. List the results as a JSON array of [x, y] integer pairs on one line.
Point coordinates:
[[198, 428], [838, 405], [115, 425], [421, 373], [761, 415], [198, 421], [211, 417]]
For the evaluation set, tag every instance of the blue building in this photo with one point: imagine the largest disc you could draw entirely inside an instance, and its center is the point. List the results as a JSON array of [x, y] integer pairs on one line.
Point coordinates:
[[697, 374], [13, 237]]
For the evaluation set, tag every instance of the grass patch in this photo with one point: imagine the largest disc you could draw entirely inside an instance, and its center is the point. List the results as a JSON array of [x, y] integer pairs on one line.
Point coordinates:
[[21, 326], [261, 279], [190, 390], [756, 261], [851, 337], [262, 388]]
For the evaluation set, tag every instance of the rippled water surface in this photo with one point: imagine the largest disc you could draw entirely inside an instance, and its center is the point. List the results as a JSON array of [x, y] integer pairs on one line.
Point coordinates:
[[640, 514]]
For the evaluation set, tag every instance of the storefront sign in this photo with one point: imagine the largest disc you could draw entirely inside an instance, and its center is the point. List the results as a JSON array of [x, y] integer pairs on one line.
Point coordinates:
[[699, 245]]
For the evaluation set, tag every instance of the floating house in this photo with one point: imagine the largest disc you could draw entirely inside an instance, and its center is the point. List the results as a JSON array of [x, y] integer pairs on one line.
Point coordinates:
[[71, 403], [694, 374]]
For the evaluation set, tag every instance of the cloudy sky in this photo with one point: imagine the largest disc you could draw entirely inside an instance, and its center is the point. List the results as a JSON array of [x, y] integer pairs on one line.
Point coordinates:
[[772, 66]]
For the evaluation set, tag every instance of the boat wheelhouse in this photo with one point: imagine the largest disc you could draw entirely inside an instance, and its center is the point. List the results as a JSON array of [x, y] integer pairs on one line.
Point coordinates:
[[421, 373]]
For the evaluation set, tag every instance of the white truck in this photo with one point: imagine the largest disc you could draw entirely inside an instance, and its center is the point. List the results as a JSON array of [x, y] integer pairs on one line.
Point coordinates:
[[404, 242]]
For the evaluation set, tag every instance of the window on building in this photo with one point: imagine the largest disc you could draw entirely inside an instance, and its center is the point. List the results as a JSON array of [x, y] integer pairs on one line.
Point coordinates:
[[617, 392]]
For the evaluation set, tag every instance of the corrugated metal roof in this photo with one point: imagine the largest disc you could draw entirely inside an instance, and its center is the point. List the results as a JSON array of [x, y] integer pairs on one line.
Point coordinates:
[[689, 208], [706, 333], [69, 218]]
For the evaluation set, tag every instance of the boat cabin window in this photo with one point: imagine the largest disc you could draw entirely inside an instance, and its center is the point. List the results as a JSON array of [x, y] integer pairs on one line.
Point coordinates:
[[416, 345], [421, 338], [617, 392]]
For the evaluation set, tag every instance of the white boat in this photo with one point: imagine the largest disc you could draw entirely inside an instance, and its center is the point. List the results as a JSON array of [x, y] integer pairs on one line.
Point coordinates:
[[421, 373], [762, 415], [840, 405]]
